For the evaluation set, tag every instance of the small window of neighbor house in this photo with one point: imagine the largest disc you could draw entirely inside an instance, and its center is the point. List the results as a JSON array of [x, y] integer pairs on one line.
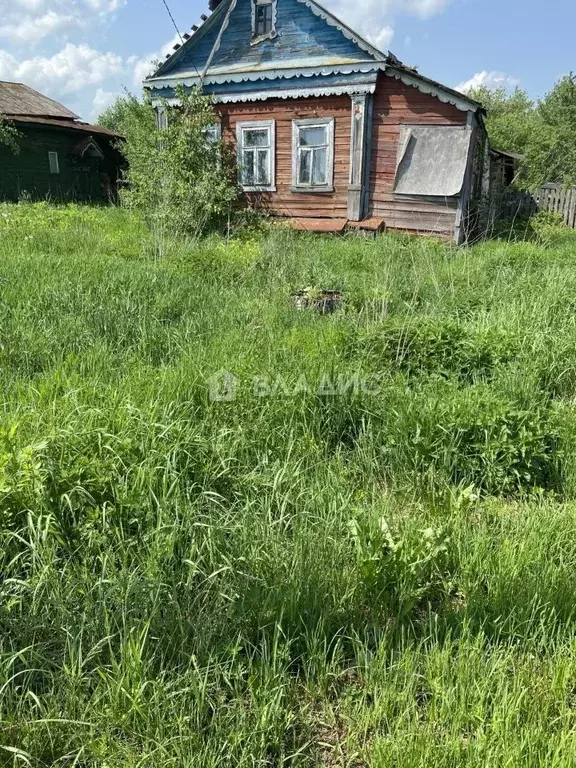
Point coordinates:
[[313, 155], [53, 162], [256, 155]]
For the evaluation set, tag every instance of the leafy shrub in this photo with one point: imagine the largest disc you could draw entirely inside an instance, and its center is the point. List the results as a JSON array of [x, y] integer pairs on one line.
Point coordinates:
[[428, 345], [398, 573], [548, 228], [182, 182], [9, 135], [477, 436]]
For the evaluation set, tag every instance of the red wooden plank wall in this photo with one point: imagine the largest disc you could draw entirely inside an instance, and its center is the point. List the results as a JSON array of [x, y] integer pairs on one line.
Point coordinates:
[[284, 202], [394, 104]]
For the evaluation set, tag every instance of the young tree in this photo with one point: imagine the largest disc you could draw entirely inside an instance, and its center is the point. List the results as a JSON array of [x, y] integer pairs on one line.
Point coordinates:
[[181, 180], [9, 135], [510, 117], [551, 151]]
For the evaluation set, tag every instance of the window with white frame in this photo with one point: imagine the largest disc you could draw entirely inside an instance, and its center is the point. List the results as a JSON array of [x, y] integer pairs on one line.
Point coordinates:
[[263, 19], [256, 155], [161, 118], [313, 155], [53, 162], [213, 133]]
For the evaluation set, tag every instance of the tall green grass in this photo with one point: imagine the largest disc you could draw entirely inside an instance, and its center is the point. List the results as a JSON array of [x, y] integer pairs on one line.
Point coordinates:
[[378, 577]]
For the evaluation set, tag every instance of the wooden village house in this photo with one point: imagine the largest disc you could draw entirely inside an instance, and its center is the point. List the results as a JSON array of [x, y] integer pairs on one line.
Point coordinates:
[[59, 157], [329, 131]]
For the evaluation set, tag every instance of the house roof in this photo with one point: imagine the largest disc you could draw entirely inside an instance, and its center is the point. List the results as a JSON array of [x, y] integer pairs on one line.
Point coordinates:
[[363, 51], [19, 99], [242, 63], [72, 125]]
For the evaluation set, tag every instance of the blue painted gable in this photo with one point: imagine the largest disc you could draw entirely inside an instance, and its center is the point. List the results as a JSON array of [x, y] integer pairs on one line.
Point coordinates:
[[304, 39]]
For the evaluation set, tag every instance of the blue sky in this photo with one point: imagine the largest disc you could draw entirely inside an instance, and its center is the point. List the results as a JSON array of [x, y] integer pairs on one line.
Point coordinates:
[[84, 52]]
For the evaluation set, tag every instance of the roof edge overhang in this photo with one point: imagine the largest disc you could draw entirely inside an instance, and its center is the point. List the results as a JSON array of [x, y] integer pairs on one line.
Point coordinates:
[[288, 93], [408, 77], [190, 79], [431, 87], [71, 125]]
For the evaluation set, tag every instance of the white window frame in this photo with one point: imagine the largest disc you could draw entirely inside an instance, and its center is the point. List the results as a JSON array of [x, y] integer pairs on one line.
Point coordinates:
[[268, 35], [162, 118], [241, 127], [213, 133], [314, 122], [54, 163]]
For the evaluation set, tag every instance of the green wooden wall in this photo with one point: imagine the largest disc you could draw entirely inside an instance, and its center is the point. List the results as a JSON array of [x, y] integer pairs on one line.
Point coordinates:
[[28, 173]]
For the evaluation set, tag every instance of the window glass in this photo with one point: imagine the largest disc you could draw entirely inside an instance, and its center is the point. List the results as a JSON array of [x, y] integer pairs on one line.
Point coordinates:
[[315, 136], [313, 148], [255, 147], [305, 168], [248, 169], [319, 167], [212, 134], [263, 19], [259, 137]]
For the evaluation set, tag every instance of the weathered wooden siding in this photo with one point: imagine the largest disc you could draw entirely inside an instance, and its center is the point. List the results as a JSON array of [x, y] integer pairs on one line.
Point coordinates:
[[395, 104], [28, 172], [301, 36], [284, 202]]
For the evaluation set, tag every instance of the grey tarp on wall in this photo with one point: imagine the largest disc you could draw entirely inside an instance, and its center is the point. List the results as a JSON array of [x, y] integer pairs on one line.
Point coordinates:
[[432, 160]]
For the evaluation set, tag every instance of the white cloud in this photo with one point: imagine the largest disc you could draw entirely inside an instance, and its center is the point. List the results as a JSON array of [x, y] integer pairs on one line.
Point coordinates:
[[27, 31], [490, 80], [102, 100], [143, 66], [28, 21], [375, 18], [70, 70]]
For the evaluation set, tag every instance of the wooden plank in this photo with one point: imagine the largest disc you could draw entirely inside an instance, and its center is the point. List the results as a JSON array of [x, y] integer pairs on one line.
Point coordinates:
[[373, 224], [329, 226]]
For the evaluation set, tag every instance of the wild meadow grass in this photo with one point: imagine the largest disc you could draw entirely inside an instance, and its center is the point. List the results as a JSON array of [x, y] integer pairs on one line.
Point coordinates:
[[312, 573]]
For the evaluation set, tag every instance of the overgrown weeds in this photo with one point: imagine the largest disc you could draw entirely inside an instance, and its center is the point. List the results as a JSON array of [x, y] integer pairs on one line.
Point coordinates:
[[364, 554]]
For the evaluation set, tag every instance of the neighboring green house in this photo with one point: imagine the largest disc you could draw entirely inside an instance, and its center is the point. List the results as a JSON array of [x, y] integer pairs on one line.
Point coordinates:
[[60, 157]]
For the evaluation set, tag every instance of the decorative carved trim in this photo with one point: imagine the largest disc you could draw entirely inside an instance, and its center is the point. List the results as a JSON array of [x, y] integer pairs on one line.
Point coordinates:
[[433, 89], [357, 156], [293, 93], [191, 79], [270, 125], [325, 122]]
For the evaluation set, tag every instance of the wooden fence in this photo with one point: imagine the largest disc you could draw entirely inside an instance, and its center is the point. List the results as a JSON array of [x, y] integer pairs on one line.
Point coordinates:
[[550, 197]]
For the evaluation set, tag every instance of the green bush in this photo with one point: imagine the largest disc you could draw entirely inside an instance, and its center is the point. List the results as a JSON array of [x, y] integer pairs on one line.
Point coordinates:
[[428, 345], [181, 182], [447, 435]]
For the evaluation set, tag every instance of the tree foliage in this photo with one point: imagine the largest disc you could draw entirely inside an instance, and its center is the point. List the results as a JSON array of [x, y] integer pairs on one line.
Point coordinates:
[[9, 135], [551, 151], [509, 118], [180, 180], [544, 132]]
